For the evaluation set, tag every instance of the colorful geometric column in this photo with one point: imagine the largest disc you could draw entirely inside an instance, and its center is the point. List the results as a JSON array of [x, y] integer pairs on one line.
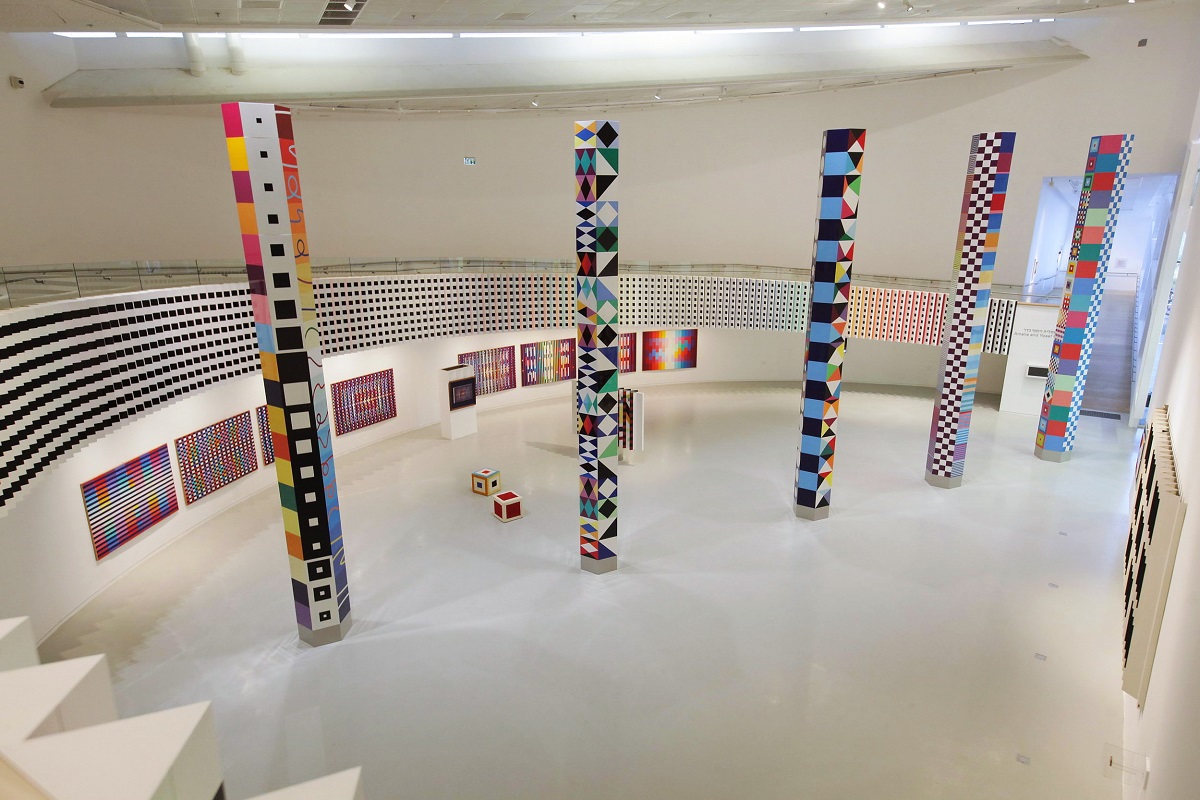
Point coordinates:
[[974, 263], [829, 290], [1091, 245], [596, 405], [270, 207]]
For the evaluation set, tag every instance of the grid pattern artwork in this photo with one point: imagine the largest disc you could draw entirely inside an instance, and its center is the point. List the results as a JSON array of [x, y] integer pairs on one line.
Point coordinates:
[[833, 259], [669, 349], [627, 352], [264, 436], [75, 369], [129, 499], [495, 369], [215, 456], [1001, 314], [1155, 521], [1091, 246], [597, 289], [974, 263], [547, 362], [270, 209], [896, 315], [363, 400]]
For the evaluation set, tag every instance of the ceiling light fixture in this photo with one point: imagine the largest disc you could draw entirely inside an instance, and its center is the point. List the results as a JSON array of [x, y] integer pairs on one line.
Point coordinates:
[[658, 94], [534, 103], [881, 4], [908, 6], [348, 6]]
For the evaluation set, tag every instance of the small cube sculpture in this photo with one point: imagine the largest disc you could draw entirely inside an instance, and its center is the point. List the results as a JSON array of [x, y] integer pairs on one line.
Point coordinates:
[[506, 506], [485, 481]]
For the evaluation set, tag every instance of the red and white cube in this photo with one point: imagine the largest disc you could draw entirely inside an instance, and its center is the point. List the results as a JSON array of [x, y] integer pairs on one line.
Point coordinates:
[[506, 506]]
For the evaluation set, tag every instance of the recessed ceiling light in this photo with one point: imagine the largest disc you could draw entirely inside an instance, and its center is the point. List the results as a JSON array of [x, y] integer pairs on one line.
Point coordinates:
[[658, 94], [881, 4], [348, 6], [534, 103]]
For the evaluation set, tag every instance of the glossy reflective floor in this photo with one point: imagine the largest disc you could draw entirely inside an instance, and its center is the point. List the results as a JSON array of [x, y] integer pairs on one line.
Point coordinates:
[[920, 643]]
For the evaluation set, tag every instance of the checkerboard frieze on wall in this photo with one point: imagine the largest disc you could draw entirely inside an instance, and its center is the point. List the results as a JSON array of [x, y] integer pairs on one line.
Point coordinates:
[[597, 287], [1087, 269], [270, 209], [829, 292], [982, 213]]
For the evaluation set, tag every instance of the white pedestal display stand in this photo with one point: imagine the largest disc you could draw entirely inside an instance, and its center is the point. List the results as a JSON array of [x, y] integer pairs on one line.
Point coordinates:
[[458, 402]]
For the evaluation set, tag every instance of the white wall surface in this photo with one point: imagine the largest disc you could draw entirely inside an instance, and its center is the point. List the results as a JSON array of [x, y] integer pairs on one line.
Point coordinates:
[[1031, 343], [1166, 729], [726, 181]]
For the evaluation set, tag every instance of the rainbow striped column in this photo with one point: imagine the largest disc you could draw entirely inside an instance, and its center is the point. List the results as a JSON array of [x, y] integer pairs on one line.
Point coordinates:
[[974, 263], [597, 412], [1091, 246], [829, 293], [270, 206]]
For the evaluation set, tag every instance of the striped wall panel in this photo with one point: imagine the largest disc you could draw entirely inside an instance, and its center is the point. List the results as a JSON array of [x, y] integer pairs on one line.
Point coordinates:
[[128, 500]]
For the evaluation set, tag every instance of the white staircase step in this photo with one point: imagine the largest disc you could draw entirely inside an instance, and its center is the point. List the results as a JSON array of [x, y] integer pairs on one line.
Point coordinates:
[[17, 647], [345, 785], [167, 755], [53, 698]]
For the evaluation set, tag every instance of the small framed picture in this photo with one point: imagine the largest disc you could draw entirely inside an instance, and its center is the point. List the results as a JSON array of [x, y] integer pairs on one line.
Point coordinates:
[[462, 393]]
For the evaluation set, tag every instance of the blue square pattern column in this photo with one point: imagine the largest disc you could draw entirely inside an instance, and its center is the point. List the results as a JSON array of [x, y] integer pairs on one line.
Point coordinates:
[[829, 293]]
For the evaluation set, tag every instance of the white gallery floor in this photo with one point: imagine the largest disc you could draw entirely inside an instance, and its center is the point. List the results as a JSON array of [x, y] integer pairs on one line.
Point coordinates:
[[919, 644]]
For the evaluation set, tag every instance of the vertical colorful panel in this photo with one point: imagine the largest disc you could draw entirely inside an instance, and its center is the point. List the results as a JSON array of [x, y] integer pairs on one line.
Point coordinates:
[[215, 456], [829, 299], [669, 349], [495, 369], [974, 262], [127, 500], [1091, 246], [596, 290], [895, 315], [264, 436], [270, 208], [627, 351], [547, 362], [364, 400]]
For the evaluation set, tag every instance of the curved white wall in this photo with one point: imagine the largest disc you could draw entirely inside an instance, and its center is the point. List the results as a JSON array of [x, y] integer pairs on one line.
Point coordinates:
[[728, 181]]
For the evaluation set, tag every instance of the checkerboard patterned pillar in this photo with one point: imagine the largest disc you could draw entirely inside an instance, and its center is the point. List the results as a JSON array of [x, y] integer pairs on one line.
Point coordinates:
[[974, 263], [829, 293], [1091, 246], [597, 412], [266, 184]]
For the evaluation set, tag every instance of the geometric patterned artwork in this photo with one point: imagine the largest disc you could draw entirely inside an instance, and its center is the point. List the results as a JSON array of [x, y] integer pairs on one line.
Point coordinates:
[[1087, 268], [215, 456], [363, 401], [597, 288], [129, 499], [1155, 521], [495, 369], [825, 349], [669, 349], [627, 352], [547, 362], [713, 301], [264, 436], [896, 315], [270, 209], [974, 263]]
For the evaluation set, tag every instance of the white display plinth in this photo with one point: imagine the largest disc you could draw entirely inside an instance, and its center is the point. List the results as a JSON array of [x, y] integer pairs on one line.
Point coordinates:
[[457, 422], [1028, 350], [54, 698]]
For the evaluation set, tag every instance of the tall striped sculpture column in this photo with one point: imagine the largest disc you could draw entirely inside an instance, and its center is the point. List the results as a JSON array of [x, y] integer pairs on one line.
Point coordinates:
[[829, 293], [974, 263], [597, 406], [266, 185], [1091, 246]]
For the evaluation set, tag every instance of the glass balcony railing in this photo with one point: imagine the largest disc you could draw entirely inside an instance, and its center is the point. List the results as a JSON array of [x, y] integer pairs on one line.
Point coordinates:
[[24, 286]]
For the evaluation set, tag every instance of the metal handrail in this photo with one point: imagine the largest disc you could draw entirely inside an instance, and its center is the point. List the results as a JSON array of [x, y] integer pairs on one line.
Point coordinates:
[[30, 285]]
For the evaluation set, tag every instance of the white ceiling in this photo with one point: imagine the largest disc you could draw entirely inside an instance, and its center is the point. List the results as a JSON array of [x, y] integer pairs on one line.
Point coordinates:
[[52, 15], [608, 54]]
